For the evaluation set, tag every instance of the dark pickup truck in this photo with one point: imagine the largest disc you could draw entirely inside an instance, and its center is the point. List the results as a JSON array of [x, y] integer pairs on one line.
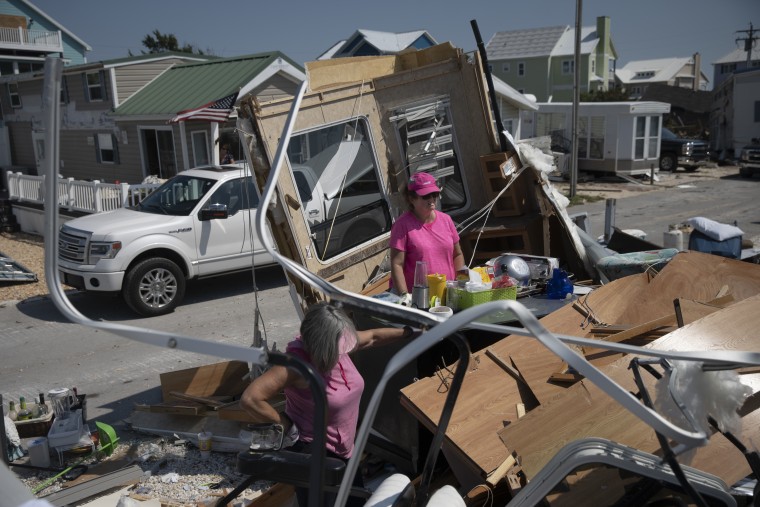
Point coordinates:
[[686, 153]]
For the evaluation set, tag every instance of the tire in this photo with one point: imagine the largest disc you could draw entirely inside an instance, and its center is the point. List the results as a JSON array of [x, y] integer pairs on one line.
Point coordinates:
[[154, 287], [668, 162]]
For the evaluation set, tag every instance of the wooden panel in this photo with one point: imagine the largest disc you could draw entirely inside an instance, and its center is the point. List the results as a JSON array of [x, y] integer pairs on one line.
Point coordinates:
[[585, 411], [536, 364], [219, 379], [475, 420]]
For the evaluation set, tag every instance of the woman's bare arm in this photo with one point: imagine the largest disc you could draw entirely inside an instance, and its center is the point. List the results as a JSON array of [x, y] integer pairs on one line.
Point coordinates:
[[397, 271]]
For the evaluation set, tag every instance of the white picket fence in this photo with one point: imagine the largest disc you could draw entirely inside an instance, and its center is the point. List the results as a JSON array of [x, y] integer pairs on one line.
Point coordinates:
[[76, 195]]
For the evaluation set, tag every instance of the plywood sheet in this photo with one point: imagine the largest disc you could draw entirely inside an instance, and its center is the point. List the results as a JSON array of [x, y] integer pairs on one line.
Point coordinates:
[[635, 300], [586, 411], [476, 419]]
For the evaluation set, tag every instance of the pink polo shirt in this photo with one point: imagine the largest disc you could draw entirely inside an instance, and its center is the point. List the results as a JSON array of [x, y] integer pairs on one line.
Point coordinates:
[[432, 242], [344, 386]]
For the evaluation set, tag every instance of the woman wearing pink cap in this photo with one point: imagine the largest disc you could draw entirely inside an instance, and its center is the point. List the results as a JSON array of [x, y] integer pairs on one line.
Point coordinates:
[[423, 233]]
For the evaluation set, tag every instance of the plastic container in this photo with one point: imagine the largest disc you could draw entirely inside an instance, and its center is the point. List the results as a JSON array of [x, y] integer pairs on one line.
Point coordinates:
[[66, 431], [39, 452], [466, 299], [559, 286], [673, 239]]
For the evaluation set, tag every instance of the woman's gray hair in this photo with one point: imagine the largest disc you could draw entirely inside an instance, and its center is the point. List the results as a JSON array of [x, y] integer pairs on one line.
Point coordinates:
[[321, 329]]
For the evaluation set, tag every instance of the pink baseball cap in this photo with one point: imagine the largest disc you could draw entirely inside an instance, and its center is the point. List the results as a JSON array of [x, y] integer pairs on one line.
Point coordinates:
[[422, 184]]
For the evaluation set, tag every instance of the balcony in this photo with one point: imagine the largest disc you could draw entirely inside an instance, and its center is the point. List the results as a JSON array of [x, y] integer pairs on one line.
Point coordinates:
[[30, 40]]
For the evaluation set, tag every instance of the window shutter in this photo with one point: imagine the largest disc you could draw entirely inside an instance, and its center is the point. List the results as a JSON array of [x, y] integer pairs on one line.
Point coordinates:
[[103, 87], [97, 149], [84, 87], [115, 143]]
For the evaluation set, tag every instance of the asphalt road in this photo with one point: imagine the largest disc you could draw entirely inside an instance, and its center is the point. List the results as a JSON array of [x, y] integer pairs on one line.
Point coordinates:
[[41, 350], [727, 199]]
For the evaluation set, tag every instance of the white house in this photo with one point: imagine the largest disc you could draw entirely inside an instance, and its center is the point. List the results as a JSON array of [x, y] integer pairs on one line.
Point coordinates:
[[685, 72], [613, 137], [735, 117]]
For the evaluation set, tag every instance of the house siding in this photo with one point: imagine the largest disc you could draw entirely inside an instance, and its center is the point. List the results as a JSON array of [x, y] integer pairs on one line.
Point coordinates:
[[277, 87], [77, 83], [131, 78], [22, 151], [534, 81]]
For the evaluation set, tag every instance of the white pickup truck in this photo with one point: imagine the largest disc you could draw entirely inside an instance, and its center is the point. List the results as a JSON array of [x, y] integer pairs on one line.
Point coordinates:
[[199, 223]]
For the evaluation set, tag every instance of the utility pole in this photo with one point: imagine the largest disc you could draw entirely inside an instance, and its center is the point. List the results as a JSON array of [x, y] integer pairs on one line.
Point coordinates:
[[749, 41], [576, 98]]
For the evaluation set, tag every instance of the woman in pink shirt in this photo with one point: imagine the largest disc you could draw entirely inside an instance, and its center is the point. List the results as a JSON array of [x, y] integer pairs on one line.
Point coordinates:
[[327, 336], [423, 233]]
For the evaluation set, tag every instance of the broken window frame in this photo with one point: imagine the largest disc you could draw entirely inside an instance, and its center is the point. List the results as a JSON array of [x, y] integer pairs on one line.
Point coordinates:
[[440, 155], [340, 232]]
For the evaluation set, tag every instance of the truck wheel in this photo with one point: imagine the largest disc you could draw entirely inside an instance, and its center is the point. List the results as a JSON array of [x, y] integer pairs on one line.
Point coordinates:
[[154, 287], [668, 162]]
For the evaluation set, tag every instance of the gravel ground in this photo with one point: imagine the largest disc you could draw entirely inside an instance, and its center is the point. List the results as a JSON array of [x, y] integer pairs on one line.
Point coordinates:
[[29, 251], [173, 472]]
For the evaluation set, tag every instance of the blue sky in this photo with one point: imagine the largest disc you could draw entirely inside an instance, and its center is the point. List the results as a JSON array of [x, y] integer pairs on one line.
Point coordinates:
[[641, 29]]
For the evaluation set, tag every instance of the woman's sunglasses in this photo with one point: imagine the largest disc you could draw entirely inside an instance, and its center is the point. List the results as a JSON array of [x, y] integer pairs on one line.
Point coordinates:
[[431, 195]]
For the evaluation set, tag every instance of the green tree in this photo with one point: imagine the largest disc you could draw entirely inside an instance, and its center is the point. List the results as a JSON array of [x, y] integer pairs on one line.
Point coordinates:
[[158, 42]]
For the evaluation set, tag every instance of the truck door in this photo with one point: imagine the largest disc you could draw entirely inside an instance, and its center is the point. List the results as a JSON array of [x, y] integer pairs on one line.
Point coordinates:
[[220, 241], [252, 245]]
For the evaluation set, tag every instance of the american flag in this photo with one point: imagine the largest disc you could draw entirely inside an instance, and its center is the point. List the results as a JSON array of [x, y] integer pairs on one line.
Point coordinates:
[[216, 111]]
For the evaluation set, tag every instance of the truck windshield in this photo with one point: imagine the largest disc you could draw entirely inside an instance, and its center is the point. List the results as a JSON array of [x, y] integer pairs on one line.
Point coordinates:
[[178, 196]]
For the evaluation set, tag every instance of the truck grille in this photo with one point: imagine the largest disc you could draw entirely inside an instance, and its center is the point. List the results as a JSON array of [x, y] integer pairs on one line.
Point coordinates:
[[72, 248], [699, 150], [753, 156]]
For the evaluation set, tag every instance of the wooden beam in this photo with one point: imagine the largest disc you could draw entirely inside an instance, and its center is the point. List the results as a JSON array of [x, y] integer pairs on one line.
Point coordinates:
[[506, 367], [498, 474]]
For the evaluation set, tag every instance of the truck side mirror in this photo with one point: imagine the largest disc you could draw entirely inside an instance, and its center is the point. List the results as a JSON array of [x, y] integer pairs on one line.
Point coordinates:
[[214, 212]]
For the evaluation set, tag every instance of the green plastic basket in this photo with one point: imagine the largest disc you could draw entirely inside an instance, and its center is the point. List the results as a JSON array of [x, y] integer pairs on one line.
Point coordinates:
[[467, 299]]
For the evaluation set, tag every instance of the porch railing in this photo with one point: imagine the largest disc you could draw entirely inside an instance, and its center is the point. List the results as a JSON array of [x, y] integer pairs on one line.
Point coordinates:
[[21, 38], [77, 195]]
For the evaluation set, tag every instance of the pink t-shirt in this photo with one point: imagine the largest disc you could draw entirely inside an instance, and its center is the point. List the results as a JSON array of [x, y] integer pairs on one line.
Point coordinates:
[[344, 386], [432, 242]]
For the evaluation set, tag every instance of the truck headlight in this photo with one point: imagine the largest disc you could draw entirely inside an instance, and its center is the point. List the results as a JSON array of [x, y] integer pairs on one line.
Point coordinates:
[[686, 149], [100, 251], [745, 155]]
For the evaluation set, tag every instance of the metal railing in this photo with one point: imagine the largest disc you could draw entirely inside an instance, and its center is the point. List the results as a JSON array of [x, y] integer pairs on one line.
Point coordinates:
[[31, 39], [77, 195]]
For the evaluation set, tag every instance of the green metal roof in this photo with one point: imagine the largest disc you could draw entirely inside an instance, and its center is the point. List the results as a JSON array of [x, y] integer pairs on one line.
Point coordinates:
[[194, 84]]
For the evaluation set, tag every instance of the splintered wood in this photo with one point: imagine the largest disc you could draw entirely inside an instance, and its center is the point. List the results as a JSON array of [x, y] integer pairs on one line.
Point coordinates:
[[485, 428]]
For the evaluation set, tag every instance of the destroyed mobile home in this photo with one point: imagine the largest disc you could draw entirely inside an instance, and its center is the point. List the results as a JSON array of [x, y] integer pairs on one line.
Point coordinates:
[[566, 409]]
